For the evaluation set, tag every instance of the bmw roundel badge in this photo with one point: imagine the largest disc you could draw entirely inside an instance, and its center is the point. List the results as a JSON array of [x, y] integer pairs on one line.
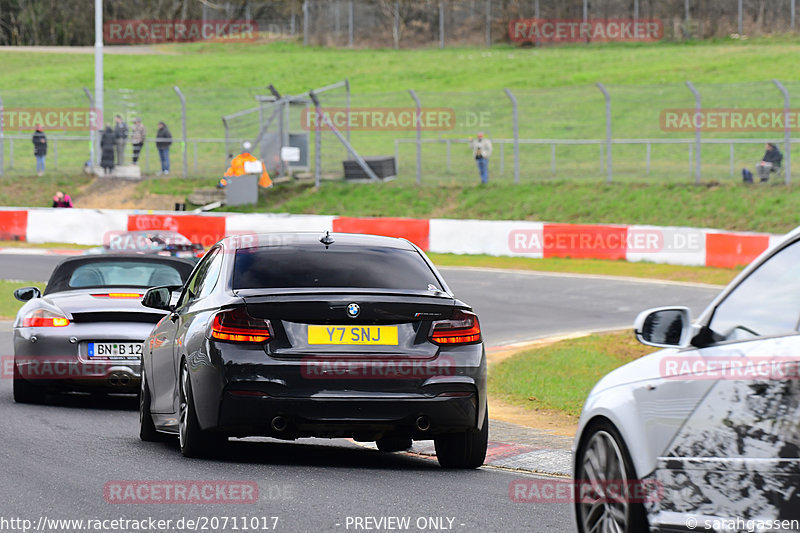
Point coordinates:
[[353, 310]]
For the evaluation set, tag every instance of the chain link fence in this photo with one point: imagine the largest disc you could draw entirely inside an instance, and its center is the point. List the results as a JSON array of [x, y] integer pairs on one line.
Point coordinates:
[[562, 133]]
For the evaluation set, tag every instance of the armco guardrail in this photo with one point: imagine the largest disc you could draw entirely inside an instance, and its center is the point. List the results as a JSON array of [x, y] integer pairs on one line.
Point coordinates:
[[675, 245]]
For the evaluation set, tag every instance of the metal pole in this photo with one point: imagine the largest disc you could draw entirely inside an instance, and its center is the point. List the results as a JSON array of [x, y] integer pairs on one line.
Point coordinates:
[[515, 122], [488, 23], [183, 125], [317, 143], [740, 17], [731, 149], [2, 147], [98, 68], [787, 133], [585, 10], [396, 26], [418, 121], [91, 129], [698, 155], [609, 164], [635, 9], [347, 106], [441, 24], [792, 13], [351, 22], [305, 22]]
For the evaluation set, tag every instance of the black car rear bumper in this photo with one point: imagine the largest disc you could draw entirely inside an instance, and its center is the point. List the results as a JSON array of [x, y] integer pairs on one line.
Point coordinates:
[[361, 417]]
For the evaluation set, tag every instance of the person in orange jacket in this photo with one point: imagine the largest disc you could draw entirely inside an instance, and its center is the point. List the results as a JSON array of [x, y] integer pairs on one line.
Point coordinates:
[[237, 168]]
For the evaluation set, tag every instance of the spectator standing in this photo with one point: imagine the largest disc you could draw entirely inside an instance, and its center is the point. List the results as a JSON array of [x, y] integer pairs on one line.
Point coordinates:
[[137, 138], [39, 148], [120, 137], [482, 151], [163, 142], [107, 144], [62, 200]]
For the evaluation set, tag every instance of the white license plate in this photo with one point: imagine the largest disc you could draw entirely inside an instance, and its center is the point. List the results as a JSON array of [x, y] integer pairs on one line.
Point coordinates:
[[123, 351]]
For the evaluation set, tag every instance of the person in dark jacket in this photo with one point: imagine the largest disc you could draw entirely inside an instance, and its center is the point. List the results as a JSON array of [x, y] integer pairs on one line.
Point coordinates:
[[121, 137], [771, 162], [62, 200], [39, 148], [107, 144], [163, 142]]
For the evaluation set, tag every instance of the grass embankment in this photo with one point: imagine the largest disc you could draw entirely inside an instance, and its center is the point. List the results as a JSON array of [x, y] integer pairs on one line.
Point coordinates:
[[8, 304], [558, 377], [554, 87]]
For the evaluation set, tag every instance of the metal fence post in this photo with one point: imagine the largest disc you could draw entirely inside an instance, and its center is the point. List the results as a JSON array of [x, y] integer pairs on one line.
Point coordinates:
[[441, 24], [792, 9], [609, 163], [351, 22], [585, 10], [515, 121], [183, 125], [397, 155], [488, 23], [317, 144], [787, 133], [740, 17], [418, 122], [305, 22], [91, 127], [698, 155], [2, 144], [396, 25], [347, 106], [635, 9]]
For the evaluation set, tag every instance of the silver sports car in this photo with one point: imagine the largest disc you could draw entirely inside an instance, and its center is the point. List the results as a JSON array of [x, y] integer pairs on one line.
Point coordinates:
[[703, 435], [85, 332]]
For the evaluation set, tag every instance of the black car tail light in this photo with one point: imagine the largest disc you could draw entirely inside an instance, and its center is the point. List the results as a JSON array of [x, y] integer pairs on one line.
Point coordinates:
[[237, 326], [462, 328]]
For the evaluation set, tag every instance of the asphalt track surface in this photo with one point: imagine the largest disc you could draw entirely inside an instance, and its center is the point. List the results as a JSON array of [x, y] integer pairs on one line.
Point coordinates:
[[57, 460]]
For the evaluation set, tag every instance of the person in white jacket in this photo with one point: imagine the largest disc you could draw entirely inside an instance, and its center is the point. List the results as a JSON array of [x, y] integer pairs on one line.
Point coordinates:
[[482, 151]]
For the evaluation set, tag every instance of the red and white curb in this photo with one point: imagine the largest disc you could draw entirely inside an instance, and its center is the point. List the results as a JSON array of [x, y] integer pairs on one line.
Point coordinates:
[[676, 245]]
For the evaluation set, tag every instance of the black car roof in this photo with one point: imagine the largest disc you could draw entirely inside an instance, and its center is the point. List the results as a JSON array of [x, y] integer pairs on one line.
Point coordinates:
[[59, 279], [312, 239]]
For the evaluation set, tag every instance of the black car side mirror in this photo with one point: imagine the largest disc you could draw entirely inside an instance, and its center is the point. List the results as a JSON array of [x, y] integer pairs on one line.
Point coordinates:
[[159, 297], [27, 293], [664, 327]]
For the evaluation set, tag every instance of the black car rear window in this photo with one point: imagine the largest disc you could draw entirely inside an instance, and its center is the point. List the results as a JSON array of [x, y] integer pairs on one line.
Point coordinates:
[[339, 266], [98, 272]]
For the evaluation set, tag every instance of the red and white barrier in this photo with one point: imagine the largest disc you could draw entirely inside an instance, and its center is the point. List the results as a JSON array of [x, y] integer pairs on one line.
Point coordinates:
[[674, 245]]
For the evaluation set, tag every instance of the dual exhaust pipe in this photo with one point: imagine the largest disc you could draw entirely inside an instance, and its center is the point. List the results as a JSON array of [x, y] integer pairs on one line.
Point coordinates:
[[280, 423]]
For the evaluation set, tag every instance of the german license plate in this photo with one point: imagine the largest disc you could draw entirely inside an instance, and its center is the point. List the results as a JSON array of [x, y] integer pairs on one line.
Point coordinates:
[[353, 335], [114, 350]]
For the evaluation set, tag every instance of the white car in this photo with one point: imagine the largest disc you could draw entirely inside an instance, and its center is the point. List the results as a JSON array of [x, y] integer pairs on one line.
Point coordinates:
[[703, 435]]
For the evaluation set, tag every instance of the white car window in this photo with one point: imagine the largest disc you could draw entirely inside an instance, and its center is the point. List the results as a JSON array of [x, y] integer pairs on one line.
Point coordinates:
[[766, 303]]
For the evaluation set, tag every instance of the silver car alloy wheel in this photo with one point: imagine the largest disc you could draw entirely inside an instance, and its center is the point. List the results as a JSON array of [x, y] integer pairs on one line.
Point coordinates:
[[603, 467]]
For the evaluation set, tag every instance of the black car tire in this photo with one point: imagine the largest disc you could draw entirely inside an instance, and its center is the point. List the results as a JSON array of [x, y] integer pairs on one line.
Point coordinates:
[[147, 429], [463, 450], [618, 470], [24, 392], [193, 441], [393, 444]]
